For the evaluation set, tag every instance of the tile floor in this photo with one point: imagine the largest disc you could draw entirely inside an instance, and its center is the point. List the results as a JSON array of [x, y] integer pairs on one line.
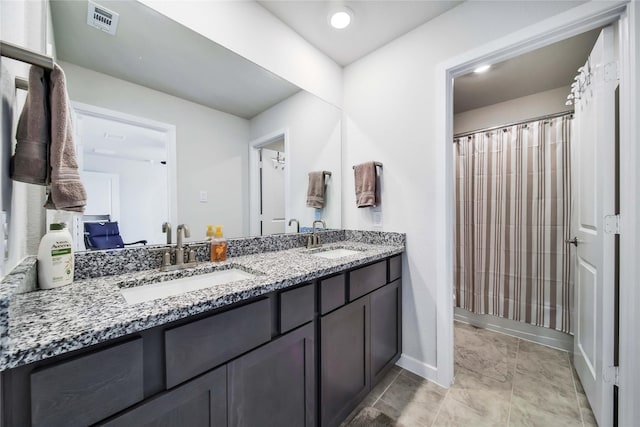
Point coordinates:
[[499, 381]]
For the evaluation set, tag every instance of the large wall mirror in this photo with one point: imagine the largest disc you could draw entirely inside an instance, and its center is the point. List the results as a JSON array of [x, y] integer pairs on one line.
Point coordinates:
[[174, 127]]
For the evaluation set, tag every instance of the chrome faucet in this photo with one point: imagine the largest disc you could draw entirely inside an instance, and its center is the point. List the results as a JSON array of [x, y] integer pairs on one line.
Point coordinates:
[[313, 241], [182, 228], [180, 249], [297, 224], [166, 228]]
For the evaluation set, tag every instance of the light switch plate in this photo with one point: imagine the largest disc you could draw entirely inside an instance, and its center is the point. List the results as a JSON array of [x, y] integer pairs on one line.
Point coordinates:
[[203, 196]]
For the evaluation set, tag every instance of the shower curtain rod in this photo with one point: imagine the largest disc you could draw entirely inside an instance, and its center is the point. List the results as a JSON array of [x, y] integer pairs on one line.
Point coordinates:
[[22, 54], [535, 119]]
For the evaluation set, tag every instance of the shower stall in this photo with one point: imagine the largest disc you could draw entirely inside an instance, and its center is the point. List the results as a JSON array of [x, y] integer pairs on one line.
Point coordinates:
[[512, 222]]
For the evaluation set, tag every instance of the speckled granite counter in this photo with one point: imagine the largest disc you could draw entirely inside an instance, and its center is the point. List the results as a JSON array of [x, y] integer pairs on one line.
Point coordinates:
[[43, 324]]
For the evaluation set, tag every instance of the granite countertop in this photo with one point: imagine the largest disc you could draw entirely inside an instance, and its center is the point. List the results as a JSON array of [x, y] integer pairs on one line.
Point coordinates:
[[47, 323]]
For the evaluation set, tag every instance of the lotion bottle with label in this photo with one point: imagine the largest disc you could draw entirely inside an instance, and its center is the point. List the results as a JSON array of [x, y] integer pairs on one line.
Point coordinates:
[[55, 258]]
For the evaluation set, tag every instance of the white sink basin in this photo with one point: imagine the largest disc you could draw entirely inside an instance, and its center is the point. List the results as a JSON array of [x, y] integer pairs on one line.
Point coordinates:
[[335, 253], [138, 294]]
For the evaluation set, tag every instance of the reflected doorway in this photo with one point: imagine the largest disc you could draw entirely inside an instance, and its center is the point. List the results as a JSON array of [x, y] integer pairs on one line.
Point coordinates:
[[269, 183], [128, 166]]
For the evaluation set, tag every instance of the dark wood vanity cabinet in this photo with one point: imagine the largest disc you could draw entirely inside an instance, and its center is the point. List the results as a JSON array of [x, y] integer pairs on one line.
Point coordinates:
[[201, 402], [302, 356], [275, 385], [360, 341]]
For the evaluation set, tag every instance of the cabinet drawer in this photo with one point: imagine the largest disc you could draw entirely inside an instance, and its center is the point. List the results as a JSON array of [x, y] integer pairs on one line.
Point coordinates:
[[332, 293], [297, 307], [204, 344], [89, 388], [367, 279], [395, 268]]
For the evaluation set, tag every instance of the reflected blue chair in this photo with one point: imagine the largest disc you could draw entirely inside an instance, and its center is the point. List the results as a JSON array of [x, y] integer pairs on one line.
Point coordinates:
[[105, 235]]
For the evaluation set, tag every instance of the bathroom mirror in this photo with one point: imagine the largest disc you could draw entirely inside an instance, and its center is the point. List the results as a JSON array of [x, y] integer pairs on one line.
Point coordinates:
[[212, 109]]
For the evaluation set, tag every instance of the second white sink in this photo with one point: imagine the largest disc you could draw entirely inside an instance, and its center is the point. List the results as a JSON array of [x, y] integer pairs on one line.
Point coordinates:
[[138, 294], [335, 253]]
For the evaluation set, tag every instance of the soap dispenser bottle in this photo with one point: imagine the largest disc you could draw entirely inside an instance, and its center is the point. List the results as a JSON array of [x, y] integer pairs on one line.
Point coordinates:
[[210, 232], [218, 245], [55, 258]]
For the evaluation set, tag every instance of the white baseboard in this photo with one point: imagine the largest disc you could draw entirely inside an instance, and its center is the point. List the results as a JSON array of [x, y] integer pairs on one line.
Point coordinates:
[[422, 369], [537, 334]]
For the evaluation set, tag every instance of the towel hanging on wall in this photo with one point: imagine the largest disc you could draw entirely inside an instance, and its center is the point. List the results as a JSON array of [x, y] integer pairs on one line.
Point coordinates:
[[315, 191], [66, 192], [366, 185], [30, 163]]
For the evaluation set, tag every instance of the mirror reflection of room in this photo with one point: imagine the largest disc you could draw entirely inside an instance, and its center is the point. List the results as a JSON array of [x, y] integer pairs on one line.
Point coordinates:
[[216, 107]]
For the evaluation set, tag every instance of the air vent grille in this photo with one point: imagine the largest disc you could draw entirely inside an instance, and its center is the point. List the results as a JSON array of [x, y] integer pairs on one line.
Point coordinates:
[[102, 18]]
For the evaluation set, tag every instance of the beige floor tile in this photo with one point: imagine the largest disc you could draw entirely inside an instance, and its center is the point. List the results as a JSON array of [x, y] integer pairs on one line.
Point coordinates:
[[552, 369], [456, 414], [528, 414], [588, 418], [374, 394], [486, 359], [411, 401], [553, 397], [490, 406], [547, 353], [423, 383], [472, 380], [413, 414]]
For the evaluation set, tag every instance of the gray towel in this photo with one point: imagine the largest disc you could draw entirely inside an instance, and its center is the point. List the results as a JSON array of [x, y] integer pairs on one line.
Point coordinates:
[[67, 192], [315, 191], [30, 163], [366, 191]]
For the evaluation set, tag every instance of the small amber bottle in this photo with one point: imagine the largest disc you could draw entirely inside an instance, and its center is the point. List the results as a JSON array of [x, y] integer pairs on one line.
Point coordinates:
[[218, 245]]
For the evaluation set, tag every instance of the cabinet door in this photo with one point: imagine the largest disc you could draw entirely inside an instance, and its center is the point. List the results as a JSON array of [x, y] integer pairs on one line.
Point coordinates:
[[344, 349], [275, 384], [198, 403], [386, 341]]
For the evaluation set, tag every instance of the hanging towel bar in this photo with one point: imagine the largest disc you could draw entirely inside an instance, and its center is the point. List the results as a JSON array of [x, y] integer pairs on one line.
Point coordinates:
[[375, 163], [22, 83], [10, 50]]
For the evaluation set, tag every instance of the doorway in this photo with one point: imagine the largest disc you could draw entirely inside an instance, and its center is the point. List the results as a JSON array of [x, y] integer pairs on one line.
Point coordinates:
[[524, 41], [128, 164], [269, 184]]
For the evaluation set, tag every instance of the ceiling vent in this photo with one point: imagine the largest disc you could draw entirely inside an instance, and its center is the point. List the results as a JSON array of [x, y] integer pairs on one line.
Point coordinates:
[[102, 18]]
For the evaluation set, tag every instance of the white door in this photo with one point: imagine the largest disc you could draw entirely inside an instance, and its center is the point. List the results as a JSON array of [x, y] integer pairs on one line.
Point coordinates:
[[272, 192], [594, 166]]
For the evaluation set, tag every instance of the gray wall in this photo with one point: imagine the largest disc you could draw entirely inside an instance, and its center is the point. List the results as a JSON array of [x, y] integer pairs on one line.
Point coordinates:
[[512, 111]]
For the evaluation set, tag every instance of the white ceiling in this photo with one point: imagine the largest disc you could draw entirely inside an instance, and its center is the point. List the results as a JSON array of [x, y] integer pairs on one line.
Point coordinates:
[[151, 50], [544, 69], [375, 23]]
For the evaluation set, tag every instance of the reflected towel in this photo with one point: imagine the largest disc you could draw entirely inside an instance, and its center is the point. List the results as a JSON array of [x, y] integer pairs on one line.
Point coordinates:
[[365, 180], [30, 163], [315, 191], [67, 192]]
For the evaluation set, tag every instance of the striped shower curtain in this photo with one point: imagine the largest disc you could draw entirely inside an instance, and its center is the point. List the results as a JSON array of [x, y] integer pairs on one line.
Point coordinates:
[[513, 209]]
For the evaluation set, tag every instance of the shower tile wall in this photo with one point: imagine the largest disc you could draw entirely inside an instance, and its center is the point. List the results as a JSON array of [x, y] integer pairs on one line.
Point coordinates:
[[499, 381]]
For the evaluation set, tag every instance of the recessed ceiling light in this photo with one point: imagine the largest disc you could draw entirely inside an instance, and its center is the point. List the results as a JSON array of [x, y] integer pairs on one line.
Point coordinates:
[[340, 18], [482, 68]]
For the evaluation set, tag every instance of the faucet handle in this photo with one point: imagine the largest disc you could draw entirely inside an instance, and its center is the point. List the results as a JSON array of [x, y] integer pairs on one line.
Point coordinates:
[[166, 228]]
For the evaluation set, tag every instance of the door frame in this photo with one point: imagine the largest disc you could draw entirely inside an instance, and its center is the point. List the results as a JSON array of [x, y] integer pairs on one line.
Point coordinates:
[[254, 178], [559, 27], [81, 109]]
